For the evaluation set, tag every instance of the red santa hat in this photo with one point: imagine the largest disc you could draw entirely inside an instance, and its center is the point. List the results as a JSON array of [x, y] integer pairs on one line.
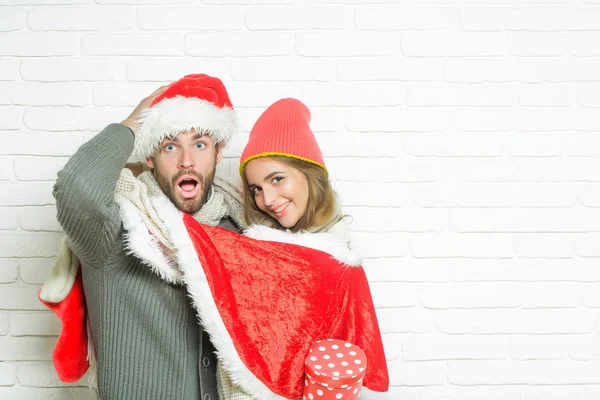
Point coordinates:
[[195, 101]]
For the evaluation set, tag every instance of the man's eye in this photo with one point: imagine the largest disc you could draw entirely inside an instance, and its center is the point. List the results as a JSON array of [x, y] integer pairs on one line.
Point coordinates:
[[200, 145], [170, 147]]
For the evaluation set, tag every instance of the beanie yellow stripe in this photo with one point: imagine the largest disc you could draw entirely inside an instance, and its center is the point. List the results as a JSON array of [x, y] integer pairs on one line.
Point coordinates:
[[270, 154]]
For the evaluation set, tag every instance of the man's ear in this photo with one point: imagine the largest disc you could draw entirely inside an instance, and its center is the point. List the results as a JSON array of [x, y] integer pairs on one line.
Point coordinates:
[[150, 162], [219, 153]]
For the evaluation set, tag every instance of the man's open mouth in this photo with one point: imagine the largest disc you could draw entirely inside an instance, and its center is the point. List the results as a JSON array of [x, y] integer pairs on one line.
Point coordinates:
[[188, 187]]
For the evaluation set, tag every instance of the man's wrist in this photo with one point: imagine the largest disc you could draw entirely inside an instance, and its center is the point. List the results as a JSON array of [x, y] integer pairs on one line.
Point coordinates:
[[128, 127]]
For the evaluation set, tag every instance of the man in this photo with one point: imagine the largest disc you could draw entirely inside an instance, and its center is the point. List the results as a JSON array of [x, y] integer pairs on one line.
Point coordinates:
[[148, 342]]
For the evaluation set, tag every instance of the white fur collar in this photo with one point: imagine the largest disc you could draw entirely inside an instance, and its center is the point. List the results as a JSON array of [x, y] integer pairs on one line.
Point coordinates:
[[143, 245], [334, 242], [140, 243]]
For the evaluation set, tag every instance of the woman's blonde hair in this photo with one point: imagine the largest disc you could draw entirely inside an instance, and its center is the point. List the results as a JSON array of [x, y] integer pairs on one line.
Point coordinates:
[[322, 202]]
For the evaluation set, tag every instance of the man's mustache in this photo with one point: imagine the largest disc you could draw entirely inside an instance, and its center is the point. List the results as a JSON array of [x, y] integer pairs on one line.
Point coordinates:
[[193, 173]]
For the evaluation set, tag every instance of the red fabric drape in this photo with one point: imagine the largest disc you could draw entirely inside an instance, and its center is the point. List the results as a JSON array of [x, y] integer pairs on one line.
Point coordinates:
[[275, 299]]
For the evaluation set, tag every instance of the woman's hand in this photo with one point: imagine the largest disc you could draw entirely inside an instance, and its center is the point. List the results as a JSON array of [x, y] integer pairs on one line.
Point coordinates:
[[137, 167]]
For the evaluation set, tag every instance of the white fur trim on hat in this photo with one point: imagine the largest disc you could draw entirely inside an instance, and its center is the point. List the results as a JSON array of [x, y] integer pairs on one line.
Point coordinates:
[[175, 115]]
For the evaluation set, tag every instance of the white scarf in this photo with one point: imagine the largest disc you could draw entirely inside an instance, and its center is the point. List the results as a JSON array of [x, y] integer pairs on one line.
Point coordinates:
[[224, 200]]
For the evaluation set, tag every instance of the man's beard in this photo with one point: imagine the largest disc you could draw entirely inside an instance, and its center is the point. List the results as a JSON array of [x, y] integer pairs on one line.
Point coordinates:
[[169, 187]]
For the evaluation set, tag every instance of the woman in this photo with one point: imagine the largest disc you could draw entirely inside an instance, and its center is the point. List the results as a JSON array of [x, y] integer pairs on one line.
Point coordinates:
[[286, 186]]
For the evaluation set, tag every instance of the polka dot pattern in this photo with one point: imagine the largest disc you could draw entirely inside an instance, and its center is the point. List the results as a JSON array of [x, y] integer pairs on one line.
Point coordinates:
[[334, 371]]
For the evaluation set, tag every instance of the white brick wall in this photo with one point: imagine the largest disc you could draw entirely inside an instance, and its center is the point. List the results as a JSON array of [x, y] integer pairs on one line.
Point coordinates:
[[462, 135]]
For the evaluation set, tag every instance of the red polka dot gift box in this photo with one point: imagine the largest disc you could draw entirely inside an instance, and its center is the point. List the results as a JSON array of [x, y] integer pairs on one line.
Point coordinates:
[[334, 371]]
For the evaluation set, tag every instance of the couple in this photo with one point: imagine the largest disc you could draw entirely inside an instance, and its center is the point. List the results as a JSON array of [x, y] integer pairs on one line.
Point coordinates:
[[150, 275]]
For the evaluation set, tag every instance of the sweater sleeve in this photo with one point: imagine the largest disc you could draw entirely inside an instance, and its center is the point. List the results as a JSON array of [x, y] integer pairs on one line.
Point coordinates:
[[84, 193]]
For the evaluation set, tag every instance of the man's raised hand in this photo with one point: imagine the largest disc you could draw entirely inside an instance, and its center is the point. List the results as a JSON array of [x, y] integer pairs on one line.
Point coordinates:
[[132, 121]]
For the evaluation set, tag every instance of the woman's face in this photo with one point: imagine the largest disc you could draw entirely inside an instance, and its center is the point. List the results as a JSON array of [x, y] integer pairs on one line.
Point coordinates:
[[278, 189]]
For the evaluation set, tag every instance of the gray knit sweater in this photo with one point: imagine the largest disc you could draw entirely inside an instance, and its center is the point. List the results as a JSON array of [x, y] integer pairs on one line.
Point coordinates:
[[148, 341]]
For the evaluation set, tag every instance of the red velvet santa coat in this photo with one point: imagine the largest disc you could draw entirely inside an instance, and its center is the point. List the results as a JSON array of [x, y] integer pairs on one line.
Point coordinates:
[[264, 302]]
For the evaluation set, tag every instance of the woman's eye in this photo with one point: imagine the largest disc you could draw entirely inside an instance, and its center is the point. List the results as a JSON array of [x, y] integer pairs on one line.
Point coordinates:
[[277, 179], [255, 190], [200, 145]]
